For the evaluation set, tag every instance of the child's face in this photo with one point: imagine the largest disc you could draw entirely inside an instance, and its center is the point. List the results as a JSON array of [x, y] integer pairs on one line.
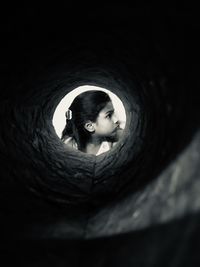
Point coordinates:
[[107, 123]]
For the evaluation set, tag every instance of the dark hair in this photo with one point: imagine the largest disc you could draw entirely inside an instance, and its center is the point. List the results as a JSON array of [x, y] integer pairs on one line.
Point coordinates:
[[84, 107]]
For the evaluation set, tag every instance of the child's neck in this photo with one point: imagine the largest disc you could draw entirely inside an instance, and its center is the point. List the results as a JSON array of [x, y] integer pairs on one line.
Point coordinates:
[[92, 147]]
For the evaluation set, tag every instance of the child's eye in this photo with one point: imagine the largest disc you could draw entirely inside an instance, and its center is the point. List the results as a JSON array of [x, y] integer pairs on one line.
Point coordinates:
[[109, 115]]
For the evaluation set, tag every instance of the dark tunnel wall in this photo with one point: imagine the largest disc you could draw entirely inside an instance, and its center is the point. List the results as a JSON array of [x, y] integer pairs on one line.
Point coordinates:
[[146, 186], [130, 74]]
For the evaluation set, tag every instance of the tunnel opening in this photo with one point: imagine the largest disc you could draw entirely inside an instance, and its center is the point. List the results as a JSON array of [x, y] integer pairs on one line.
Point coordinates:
[[59, 117]]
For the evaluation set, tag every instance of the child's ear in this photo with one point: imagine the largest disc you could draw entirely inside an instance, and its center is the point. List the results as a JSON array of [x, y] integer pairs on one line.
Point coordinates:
[[89, 126]]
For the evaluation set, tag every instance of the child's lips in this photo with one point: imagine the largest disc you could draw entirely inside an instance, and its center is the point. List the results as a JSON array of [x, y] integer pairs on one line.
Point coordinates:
[[117, 128]]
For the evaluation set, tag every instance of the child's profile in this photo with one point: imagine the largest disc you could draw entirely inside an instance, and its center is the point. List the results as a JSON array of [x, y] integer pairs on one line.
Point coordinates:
[[91, 124]]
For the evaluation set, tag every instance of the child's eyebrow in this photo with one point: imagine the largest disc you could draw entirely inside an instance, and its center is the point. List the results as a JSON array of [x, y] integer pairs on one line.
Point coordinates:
[[112, 110]]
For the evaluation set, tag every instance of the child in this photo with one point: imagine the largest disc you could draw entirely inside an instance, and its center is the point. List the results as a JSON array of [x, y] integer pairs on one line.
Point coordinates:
[[91, 124]]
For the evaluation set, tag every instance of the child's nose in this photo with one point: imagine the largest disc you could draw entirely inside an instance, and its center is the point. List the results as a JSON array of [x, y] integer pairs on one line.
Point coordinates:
[[115, 119]]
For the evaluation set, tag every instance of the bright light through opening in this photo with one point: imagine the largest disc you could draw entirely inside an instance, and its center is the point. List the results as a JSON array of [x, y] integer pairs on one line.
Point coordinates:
[[59, 119]]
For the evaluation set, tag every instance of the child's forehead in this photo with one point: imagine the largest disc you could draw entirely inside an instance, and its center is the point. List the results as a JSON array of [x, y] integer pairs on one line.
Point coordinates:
[[108, 107]]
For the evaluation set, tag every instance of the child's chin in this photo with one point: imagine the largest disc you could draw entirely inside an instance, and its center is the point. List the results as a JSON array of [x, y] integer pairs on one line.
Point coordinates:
[[113, 138], [117, 135]]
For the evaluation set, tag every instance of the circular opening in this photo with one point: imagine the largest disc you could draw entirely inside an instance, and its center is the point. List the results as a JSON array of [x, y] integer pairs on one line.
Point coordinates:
[[111, 116]]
